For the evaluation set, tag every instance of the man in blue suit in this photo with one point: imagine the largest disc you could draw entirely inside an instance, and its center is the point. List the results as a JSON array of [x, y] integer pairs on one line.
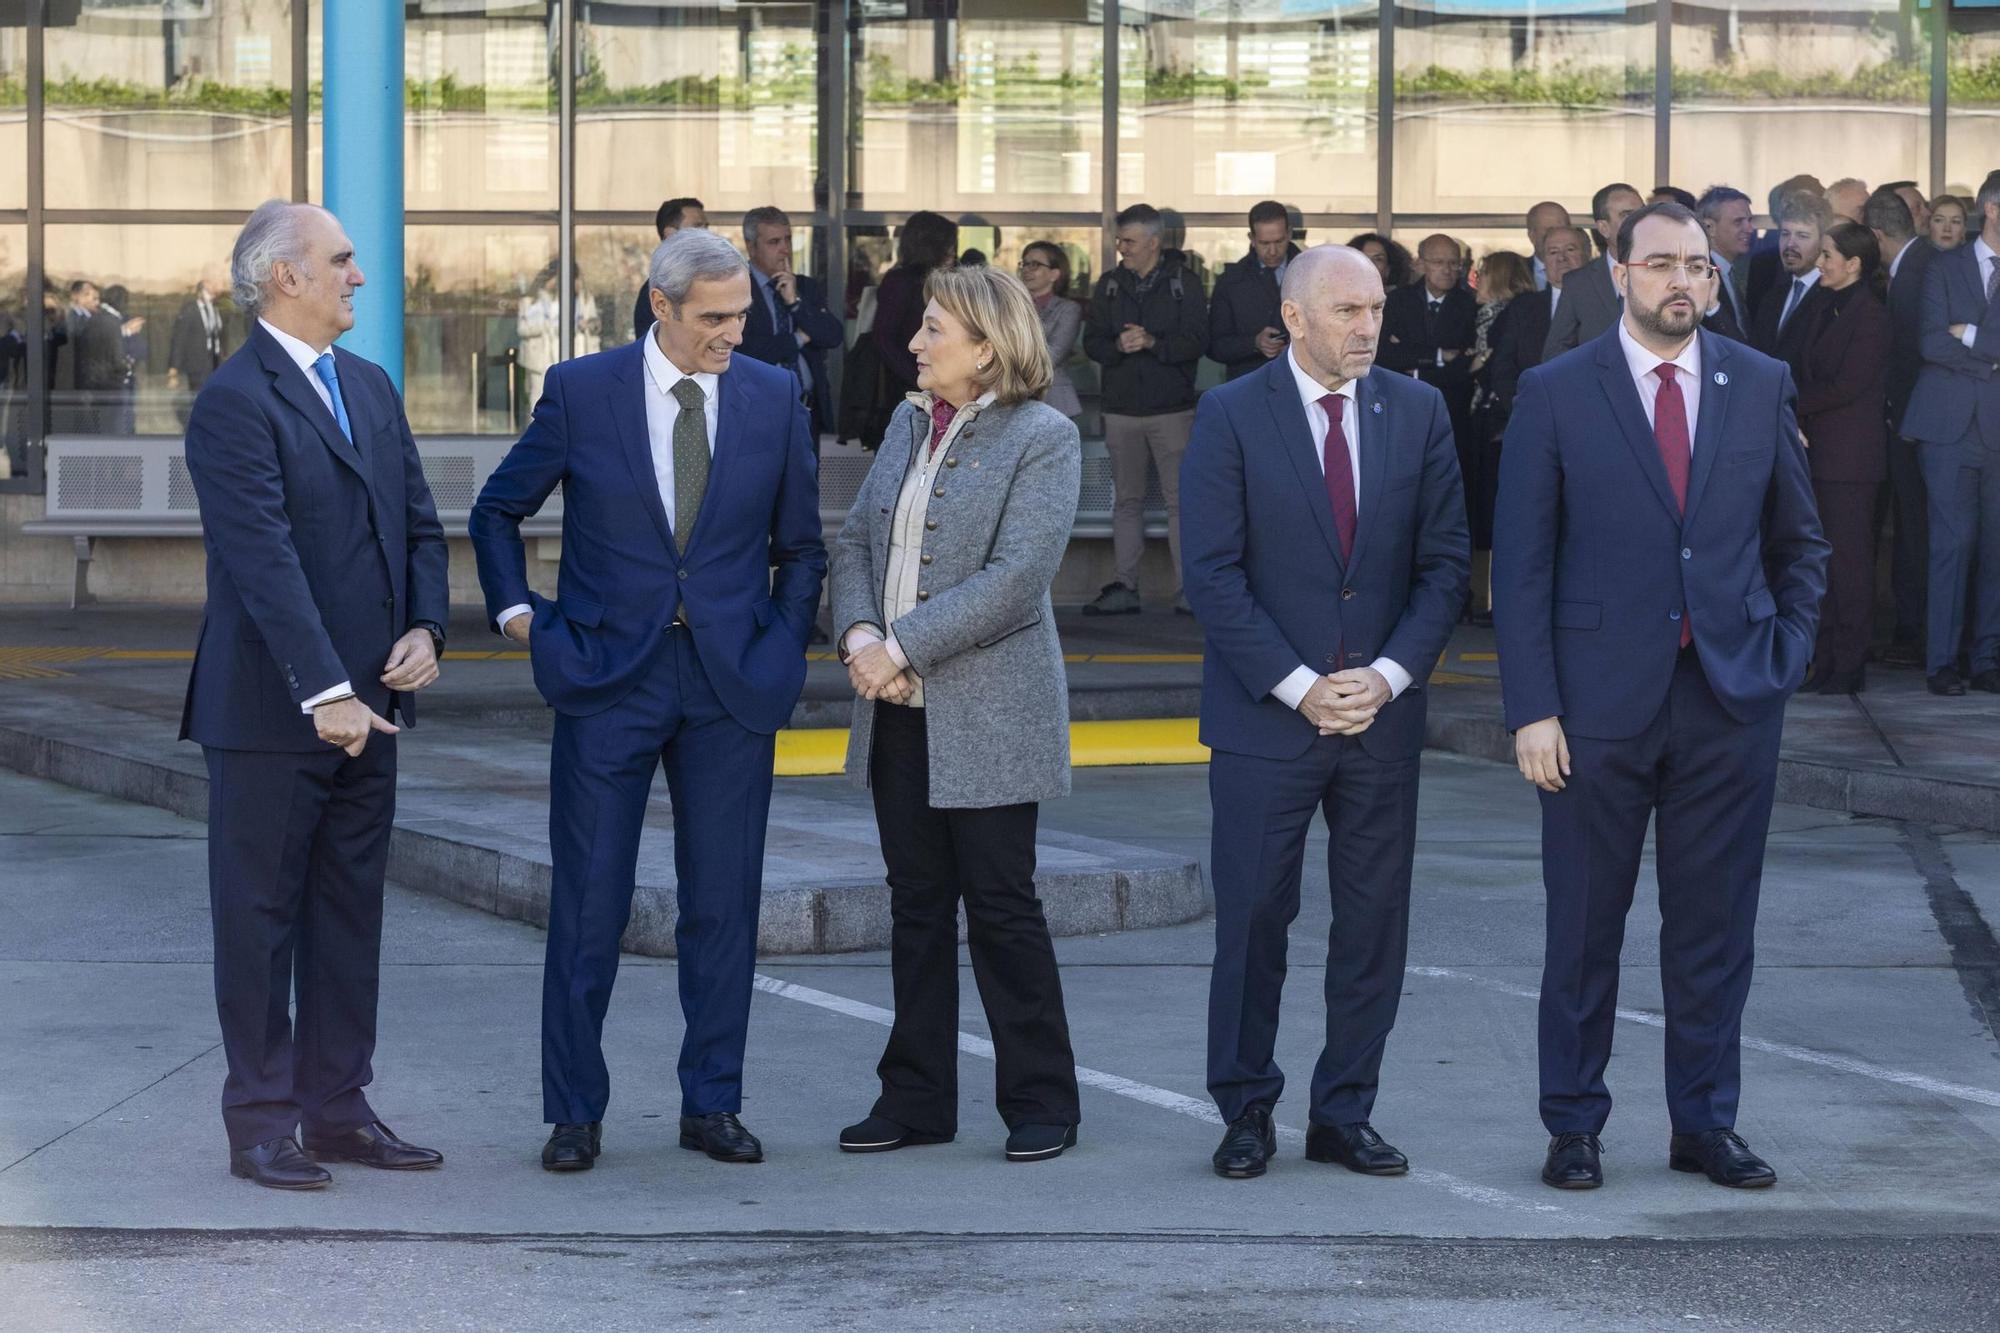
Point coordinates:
[[1325, 553], [1657, 571], [1954, 415], [326, 610], [789, 323], [691, 571]]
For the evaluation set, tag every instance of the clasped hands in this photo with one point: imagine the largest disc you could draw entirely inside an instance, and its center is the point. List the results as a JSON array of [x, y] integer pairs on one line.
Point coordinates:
[[1134, 338], [1344, 703], [875, 675]]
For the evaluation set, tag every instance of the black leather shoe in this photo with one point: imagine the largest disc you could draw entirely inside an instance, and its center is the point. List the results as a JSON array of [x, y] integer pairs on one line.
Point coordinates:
[[877, 1134], [277, 1164], [1846, 682], [1723, 1157], [1248, 1145], [722, 1136], [1987, 680], [573, 1147], [1038, 1143], [1902, 653], [1945, 681], [1572, 1163], [374, 1145], [1357, 1147]]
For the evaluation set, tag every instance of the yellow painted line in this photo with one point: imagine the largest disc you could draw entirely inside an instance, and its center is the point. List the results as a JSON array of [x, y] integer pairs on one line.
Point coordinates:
[[1479, 657], [812, 753], [149, 655], [1458, 678], [820, 752], [1133, 659]]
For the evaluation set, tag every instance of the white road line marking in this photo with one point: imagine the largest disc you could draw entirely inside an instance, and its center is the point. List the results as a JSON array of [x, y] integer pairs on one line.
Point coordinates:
[[1803, 1054], [1162, 1098]]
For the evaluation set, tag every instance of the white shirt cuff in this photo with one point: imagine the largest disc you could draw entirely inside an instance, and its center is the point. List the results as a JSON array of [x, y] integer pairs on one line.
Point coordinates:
[[521, 609], [1399, 679], [1291, 691], [345, 687], [1970, 335], [858, 638]]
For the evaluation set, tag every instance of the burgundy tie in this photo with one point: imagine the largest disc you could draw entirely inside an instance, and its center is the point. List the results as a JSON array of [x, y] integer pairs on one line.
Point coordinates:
[[1339, 474], [941, 415], [1670, 432]]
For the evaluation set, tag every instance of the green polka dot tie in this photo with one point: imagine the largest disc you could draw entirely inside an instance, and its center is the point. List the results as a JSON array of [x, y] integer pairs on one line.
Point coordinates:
[[690, 459]]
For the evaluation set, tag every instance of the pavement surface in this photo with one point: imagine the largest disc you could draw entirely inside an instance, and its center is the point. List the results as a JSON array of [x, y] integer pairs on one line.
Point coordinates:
[[1872, 1081]]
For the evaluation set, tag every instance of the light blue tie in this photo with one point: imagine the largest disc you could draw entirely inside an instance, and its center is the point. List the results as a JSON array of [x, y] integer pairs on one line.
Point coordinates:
[[331, 379]]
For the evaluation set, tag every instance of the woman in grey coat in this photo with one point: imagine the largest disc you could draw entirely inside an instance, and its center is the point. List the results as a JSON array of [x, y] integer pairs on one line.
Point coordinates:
[[940, 586], [1045, 273]]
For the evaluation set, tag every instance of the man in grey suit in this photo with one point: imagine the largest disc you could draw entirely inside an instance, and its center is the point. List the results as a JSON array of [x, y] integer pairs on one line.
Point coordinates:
[[1590, 302]]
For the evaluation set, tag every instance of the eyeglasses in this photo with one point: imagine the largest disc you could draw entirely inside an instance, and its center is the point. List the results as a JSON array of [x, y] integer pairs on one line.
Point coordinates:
[[1034, 263], [1699, 270]]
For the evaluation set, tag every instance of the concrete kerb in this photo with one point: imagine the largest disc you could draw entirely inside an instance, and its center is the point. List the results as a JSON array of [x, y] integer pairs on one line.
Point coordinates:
[[465, 865]]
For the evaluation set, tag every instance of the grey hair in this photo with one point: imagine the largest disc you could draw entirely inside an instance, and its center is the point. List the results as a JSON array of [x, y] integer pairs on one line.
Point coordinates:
[[1716, 198], [770, 215], [271, 236], [689, 256]]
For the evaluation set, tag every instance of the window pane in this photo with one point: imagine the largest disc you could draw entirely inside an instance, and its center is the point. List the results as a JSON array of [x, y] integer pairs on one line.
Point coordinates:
[[1837, 89], [129, 373], [13, 114], [146, 112], [13, 350], [1215, 115], [482, 102], [613, 261], [717, 103], [476, 325], [1504, 103], [1972, 144], [1001, 109]]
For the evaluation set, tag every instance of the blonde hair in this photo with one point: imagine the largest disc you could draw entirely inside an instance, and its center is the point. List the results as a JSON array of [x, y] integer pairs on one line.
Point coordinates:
[[996, 309]]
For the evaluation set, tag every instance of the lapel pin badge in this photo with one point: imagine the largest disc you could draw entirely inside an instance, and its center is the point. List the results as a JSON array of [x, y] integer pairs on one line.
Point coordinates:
[[1376, 409], [1721, 378]]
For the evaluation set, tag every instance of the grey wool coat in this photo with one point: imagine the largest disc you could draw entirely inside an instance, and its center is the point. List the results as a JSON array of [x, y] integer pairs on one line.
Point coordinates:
[[983, 639]]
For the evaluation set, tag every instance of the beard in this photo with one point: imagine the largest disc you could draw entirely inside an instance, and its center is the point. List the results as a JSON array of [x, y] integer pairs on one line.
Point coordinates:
[[1667, 322]]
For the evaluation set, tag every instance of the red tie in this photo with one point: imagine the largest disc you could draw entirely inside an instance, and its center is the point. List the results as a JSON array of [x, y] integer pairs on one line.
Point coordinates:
[[1670, 432], [941, 415], [1339, 474]]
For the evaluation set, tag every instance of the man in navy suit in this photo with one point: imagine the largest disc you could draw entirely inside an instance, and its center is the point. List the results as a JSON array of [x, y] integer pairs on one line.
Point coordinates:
[[789, 324], [1954, 415], [326, 610], [1326, 555], [1657, 571], [1907, 254], [691, 570]]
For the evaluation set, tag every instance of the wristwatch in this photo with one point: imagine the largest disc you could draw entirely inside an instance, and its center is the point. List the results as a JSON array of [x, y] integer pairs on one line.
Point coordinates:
[[436, 632]]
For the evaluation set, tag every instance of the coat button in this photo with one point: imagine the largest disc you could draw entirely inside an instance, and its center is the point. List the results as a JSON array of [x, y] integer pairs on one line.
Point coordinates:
[[388, 601], [1332, 659], [1686, 554], [1673, 615], [930, 525], [938, 493], [951, 462], [682, 574], [924, 560], [923, 596], [1347, 594]]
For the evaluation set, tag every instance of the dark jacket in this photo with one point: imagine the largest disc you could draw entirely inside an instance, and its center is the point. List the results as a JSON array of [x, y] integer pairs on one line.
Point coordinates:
[[1957, 389], [899, 313], [1175, 311], [1906, 305], [1788, 344], [321, 552], [1842, 394], [763, 342], [1517, 338], [1407, 344], [1245, 303], [187, 346]]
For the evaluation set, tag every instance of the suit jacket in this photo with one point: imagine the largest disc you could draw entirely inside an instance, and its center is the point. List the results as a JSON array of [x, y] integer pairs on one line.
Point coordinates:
[[1405, 346], [1261, 564], [1956, 387], [996, 698], [823, 330], [321, 553], [1245, 303], [748, 582], [1593, 560], [187, 345], [1518, 336], [642, 312], [1906, 305], [1789, 343], [1731, 319], [1590, 305], [101, 365], [1842, 395]]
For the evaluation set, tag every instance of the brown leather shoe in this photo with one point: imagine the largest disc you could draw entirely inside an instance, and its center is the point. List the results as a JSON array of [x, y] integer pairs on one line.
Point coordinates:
[[374, 1145]]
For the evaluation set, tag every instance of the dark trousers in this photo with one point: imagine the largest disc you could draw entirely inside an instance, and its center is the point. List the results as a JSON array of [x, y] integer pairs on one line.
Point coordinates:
[[1910, 552], [986, 857], [1847, 613], [1262, 809], [600, 776], [297, 848], [1962, 482], [1709, 781]]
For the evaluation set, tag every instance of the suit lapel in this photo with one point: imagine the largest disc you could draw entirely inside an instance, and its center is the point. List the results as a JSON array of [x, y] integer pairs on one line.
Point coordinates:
[[1295, 438], [1615, 376], [290, 382], [628, 415], [1371, 428], [1715, 358]]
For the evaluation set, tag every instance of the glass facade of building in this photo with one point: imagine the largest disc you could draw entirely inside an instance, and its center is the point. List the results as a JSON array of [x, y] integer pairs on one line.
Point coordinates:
[[136, 135]]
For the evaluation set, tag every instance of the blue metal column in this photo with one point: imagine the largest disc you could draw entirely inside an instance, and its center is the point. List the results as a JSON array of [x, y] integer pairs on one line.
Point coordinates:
[[364, 165]]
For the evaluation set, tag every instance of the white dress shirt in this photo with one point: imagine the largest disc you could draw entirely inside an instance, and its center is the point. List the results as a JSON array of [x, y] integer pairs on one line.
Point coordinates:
[[662, 410], [1291, 691], [1645, 364], [1897, 262], [1795, 295], [1984, 254], [304, 354], [1541, 274]]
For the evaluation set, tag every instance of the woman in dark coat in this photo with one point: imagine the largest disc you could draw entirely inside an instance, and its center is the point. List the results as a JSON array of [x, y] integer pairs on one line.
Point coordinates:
[[1844, 417], [925, 243]]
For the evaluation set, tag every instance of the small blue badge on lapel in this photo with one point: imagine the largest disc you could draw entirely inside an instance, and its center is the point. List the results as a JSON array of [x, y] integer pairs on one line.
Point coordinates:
[[1376, 409], [1721, 378]]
